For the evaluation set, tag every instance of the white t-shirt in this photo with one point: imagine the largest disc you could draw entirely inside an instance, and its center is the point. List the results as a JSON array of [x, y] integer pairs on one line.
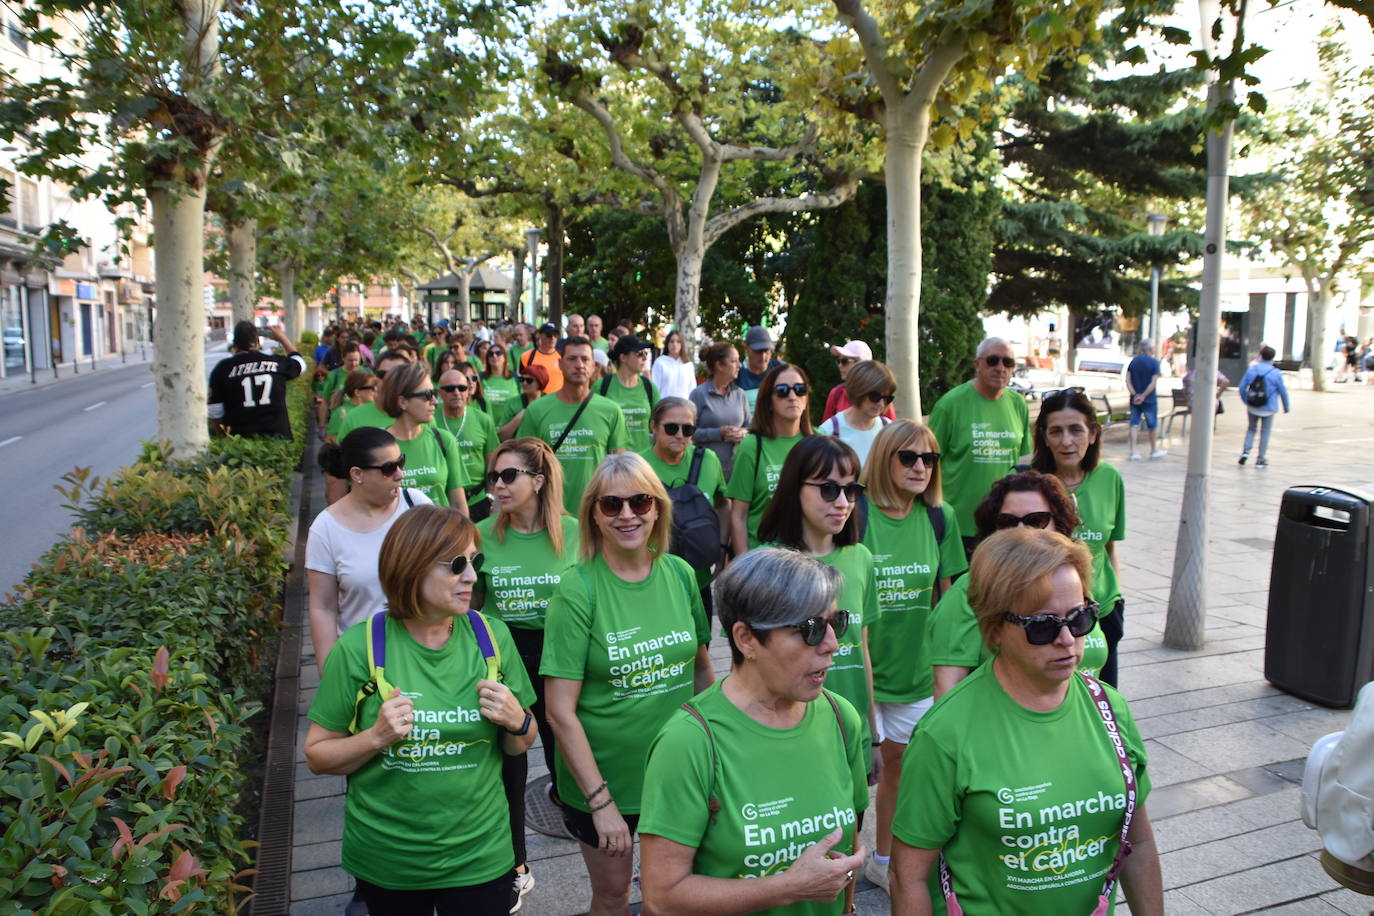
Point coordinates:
[[351, 558], [674, 378], [861, 440]]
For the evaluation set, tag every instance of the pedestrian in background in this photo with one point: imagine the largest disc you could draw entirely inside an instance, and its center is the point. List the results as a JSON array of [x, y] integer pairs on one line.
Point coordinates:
[[1261, 390], [674, 372], [723, 411], [871, 388], [499, 386], [474, 432], [247, 391], [781, 420], [1142, 378], [759, 361], [359, 388], [855, 351], [630, 388]]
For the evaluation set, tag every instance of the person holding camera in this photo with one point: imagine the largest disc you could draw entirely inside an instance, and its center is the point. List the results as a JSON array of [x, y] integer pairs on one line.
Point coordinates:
[[248, 390]]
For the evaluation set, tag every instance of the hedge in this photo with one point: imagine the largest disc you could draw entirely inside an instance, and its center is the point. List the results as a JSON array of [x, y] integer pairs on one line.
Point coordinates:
[[133, 660]]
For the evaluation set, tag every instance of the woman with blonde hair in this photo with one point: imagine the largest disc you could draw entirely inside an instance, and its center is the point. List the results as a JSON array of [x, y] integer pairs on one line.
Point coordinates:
[[915, 541], [624, 645]]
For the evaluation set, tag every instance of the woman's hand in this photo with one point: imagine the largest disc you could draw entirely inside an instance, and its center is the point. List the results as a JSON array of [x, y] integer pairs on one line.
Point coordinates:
[[732, 433], [499, 705], [612, 830], [820, 878], [395, 719]]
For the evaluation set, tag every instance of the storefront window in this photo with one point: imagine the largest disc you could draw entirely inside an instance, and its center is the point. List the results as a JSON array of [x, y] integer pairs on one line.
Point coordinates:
[[12, 321]]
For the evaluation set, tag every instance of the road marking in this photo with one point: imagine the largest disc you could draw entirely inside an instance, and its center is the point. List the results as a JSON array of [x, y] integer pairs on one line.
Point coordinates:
[[149, 385], [94, 406], [9, 440]]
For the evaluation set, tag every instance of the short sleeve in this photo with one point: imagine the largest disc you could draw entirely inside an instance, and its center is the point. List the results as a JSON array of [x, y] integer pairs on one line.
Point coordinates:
[[345, 670], [1027, 446], [677, 782], [927, 812], [701, 622], [292, 366], [952, 632], [741, 484], [513, 673], [526, 427], [1119, 523], [620, 436], [953, 560], [217, 379], [319, 547], [567, 630]]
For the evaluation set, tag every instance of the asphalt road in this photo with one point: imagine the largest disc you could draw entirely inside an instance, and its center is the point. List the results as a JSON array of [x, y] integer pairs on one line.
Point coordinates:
[[91, 420]]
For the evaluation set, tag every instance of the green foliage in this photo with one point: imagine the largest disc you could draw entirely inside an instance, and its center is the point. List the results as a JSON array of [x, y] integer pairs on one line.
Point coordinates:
[[309, 340]]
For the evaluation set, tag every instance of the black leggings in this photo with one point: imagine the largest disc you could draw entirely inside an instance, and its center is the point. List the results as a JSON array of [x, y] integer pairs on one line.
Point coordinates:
[[1113, 628], [489, 899], [515, 770]]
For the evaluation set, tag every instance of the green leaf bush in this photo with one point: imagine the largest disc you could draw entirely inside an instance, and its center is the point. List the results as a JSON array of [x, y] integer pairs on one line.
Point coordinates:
[[133, 660]]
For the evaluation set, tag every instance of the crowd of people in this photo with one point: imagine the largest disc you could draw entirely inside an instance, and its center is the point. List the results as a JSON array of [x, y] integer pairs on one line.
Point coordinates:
[[535, 532]]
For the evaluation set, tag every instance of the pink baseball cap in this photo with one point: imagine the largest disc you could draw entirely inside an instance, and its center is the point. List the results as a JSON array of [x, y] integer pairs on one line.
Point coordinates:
[[855, 349]]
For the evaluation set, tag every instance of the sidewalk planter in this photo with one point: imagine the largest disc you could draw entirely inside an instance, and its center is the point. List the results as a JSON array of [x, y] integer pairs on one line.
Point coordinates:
[[132, 664]]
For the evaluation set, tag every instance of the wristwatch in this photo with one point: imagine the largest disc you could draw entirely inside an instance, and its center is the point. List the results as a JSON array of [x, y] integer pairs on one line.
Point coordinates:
[[525, 728]]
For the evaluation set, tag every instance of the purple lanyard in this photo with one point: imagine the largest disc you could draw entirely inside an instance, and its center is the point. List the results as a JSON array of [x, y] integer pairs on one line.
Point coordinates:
[[1104, 900]]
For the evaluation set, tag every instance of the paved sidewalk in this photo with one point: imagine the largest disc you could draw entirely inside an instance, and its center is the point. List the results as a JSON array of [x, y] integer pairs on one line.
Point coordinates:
[[1226, 749]]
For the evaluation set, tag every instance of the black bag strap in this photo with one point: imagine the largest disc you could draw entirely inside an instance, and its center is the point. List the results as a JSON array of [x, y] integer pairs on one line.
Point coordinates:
[[936, 515], [605, 386], [573, 422], [439, 439], [694, 472], [410, 500]]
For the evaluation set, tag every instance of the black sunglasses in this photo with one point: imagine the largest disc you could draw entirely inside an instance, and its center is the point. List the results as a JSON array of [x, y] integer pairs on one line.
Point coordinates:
[[507, 476], [449, 389], [875, 397], [830, 490], [686, 428], [380, 373], [429, 394], [845, 360], [1043, 629], [367, 388], [1006, 520], [1007, 361], [460, 563], [1063, 392], [797, 388], [812, 629], [908, 458], [528, 380], [640, 504], [388, 468]]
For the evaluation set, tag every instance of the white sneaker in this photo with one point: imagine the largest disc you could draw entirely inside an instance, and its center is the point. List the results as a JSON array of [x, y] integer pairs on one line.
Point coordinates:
[[1135, 456], [876, 873], [524, 883], [1158, 453]]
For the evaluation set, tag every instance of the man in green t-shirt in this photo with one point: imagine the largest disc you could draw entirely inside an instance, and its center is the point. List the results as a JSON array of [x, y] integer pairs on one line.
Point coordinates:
[[600, 426], [594, 334], [983, 431], [627, 386]]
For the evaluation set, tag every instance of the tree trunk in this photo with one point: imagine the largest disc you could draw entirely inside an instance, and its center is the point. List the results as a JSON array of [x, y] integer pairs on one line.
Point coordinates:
[[517, 290], [1318, 308], [553, 263], [465, 294], [906, 140], [292, 306], [179, 350], [691, 252], [243, 267]]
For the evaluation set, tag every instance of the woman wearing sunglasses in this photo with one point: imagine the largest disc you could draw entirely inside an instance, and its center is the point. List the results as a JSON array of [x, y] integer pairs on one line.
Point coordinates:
[[752, 796], [624, 645], [1031, 500], [433, 463], [1025, 787], [870, 388], [359, 388], [531, 380], [914, 539], [421, 736], [1068, 444], [501, 389], [341, 553], [781, 420], [813, 512], [474, 432]]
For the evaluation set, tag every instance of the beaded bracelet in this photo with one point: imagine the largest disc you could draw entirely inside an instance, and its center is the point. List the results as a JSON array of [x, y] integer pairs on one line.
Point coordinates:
[[595, 793], [606, 804]]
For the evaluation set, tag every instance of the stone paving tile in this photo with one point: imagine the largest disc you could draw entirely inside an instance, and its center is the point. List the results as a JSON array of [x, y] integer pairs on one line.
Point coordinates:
[[321, 906], [1159, 678], [1207, 792], [1183, 700], [320, 882], [316, 855], [1262, 887], [320, 786], [1239, 744], [317, 820], [1271, 710], [1350, 903], [1195, 827], [1168, 767]]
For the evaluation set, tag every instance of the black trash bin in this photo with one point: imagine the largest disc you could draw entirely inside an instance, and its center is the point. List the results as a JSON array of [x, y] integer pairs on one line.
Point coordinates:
[[1319, 640]]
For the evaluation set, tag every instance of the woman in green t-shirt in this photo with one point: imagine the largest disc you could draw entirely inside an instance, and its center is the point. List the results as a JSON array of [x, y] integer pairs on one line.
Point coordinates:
[[1024, 783], [781, 418], [916, 545], [1068, 444], [425, 821], [624, 645], [433, 462], [359, 388], [499, 387], [752, 795], [476, 397], [813, 512]]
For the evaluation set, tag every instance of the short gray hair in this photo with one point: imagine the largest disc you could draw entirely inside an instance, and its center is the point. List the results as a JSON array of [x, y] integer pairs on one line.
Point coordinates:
[[987, 344], [1147, 346], [770, 587], [670, 403]]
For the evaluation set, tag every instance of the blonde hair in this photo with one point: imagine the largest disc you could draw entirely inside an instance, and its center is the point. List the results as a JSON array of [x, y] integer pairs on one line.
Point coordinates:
[[538, 458], [629, 469], [421, 537], [867, 376], [877, 472], [1011, 572]]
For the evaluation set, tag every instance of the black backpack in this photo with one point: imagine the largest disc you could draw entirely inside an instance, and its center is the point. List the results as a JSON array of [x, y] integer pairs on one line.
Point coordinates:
[[696, 528], [1257, 392]]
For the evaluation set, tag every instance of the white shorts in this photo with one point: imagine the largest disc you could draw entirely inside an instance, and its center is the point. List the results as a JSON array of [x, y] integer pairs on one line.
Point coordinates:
[[896, 721]]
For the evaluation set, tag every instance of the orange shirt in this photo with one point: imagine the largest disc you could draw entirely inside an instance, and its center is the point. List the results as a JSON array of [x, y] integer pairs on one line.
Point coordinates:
[[550, 363]]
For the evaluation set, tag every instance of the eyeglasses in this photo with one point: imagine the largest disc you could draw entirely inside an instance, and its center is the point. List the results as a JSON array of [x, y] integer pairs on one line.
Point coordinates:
[[494, 351], [449, 389], [797, 388], [528, 380], [875, 397], [1043, 629], [388, 468], [672, 429], [1030, 520], [830, 490], [429, 394], [640, 504], [845, 360], [507, 476], [460, 563], [1007, 361], [367, 388], [812, 629], [908, 458], [1063, 392]]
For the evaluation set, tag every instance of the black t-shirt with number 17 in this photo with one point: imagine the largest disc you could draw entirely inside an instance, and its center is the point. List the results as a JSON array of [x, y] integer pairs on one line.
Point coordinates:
[[252, 389]]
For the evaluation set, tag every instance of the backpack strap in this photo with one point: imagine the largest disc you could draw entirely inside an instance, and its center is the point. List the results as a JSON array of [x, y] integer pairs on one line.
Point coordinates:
[[694, 472], [490, 651], [605, 386], [439, 439], [410, 500], [937, 525], [376, 658], [835, 425], [650, 393], [713, 803]]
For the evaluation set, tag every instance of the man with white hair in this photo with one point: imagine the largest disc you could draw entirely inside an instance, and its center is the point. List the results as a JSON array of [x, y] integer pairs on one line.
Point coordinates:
[[983, 432], [1142, 375]]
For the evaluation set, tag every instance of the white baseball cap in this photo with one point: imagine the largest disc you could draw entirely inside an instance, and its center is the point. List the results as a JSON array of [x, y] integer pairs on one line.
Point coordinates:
[[855, 349]]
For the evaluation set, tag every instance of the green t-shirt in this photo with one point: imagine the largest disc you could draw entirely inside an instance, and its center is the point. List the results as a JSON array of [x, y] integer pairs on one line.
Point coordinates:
[[514, 355], [477, 438], [337, 416], [334, 381], [711, 482], [1101, 500], [632, 645], [754, 477], [859, 596], [769, 815], [429, 469], [400, 828], [503, 398], [521, 573], [601, 344], [432, 352], [953, 638], [907, 562], [600, 430], [364, 415], [1027, 806], [981, 441], [636, 404]]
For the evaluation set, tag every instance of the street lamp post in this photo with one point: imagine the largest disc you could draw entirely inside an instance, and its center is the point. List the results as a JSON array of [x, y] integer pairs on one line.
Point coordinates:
[[1156, 222], [532, 240]]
